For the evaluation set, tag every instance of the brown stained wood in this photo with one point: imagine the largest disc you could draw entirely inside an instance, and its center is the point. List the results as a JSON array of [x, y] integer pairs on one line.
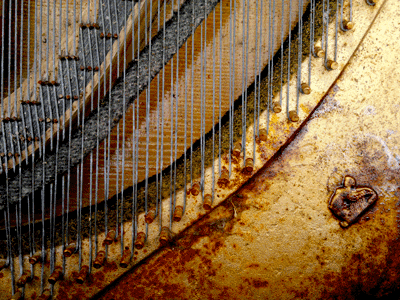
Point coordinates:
[[116, 165], [117, 54]]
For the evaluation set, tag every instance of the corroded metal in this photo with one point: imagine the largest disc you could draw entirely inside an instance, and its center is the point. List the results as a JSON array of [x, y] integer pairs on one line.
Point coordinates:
[[25, 277], [110, 237], [139, 243], [331, 64], [178, 213], [56, 275], [350, 201], [207, 204], [100, 258], [71, 249], [150, 216], [82, 274]]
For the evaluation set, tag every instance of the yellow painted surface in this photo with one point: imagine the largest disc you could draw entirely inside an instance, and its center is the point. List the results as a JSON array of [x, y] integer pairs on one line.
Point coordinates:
[[276, 238]]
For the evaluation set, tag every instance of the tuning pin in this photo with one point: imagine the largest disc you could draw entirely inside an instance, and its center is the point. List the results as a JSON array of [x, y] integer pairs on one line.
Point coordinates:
[[150, 216], [237, 148], [139, 243], [293, 116], [332, 65], [348, 25], [110, 237], [126, 258], [71, 249], [35, 257], [56, 275], [195, 189], [263, 135], [178, 213], [276, 107], [25, 277], [248, 167], [99, 261], [207, 204], [164, 235], [305, 88], [83, 273], [223, 180], [319, 52]]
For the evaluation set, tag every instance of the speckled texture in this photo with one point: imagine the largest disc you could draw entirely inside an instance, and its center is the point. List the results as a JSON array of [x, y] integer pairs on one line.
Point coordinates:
[[276, 238], [136, 70]]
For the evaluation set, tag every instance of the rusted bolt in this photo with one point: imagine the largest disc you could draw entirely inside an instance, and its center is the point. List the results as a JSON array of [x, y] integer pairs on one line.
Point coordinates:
[[110, 237], [207, 204], [2, 154], [68, 97], [56, 275], [100, 258], [237, 148], [305, 88], [60, 57], [164, 235], [36, 138], [348, 24], [150, 216], [53, 82], [25, 277], [223, 180], [55, 121], [293, 116], [248, 166], [83, 273], [82, 68], [35, 258], [115, 36], [46, 295], [109, 35], [96, 68], [71, 249], [95, 25], [195, 190], [90, 26], [276, 107], [16, 154], [350, 201], [48, 120], [10, 154], [139, 243], [102, 35], [17, 295], [29, 139], [82, 25], [76, 97], [263, 135], [178, 213], [89, 68], [332, 65], [126, 258], [319, 52]]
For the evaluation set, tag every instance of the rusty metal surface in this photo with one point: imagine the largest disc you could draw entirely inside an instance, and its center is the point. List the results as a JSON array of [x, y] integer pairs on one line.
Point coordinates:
[[240, 232], [276, 237]]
